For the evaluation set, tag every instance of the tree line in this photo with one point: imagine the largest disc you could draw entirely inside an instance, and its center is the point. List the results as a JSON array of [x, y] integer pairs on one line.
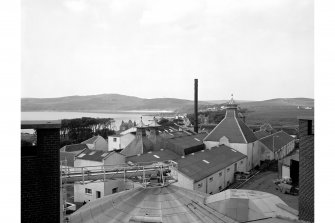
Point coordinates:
[[79, 129]]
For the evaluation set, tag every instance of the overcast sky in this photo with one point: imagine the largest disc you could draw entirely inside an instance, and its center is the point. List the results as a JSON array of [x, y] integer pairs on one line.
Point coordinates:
[[255, 49]]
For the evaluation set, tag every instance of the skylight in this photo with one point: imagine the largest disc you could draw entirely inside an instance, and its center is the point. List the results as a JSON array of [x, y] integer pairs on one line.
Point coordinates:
[[233, 150], [105, 154], [81, 155], [156, 156], [206, 161], [197, 139], [92, 153]]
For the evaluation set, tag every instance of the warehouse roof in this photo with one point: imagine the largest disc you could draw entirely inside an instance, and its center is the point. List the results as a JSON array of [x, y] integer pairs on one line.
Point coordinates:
[[161, 155], [261, 133], [93, 155], [278, 140], [233, 128], [205, 163]]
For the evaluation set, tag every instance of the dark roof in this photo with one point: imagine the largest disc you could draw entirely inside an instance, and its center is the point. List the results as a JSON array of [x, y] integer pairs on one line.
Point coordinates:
[[142, 145], [161, 155], [90, 140], [261, 133], [306, 117], [219, 158], [96, 156], [69, 157], [233, 128], [193, 166], [186, 144], [74, 148], [279, 139]]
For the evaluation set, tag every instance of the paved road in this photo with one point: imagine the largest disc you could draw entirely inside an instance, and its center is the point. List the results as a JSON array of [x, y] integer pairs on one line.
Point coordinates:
[[263, 182]]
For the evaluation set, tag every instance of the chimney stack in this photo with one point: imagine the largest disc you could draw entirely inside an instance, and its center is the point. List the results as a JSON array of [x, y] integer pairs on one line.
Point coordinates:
[[196, 105]]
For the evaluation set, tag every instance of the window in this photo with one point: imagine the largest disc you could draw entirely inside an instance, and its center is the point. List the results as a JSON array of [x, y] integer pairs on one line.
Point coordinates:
[[114, 190], [211, 193], [220, 188], [88, 191], [220, 174], [114, 139], [228, 170], [200, 185], [241, 162], [98, 194], [210, 179]]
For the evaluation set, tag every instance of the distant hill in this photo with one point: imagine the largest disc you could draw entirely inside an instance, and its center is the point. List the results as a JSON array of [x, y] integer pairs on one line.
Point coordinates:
[[305, 102], [104, 103]]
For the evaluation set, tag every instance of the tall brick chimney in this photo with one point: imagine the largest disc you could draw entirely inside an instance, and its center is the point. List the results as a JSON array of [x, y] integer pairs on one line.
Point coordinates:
[[196, 105]]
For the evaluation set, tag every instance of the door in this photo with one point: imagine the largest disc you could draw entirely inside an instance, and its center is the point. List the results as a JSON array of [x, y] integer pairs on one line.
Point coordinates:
[[98, 194]]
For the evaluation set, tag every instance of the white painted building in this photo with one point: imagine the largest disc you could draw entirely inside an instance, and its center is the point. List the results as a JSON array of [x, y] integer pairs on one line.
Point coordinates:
[[276, 146], [89, 158], [234, 133], [120, 141]]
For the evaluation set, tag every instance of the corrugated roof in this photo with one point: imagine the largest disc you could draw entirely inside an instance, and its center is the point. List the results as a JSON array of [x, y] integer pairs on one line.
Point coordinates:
[[278, 139], [261, 133], [169, 204], [219, 158], [93, 155], [233, 128]]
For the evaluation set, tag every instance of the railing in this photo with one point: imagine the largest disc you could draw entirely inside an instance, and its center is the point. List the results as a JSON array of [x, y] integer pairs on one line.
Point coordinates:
[[148, 174]]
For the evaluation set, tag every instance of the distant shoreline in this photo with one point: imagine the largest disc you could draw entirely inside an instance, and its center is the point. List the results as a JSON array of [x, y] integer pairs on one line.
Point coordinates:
[[145, 112]]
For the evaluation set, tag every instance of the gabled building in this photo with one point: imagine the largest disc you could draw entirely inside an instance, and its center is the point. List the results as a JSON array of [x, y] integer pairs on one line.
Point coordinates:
[[208, 170], [89, 191], [96, 143], [67, 154], [120, 141], [276, 146], [234, 133]]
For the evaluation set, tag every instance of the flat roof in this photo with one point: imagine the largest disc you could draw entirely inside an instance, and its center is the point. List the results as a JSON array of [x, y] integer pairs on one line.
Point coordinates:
[[306, 117], [41, 124]]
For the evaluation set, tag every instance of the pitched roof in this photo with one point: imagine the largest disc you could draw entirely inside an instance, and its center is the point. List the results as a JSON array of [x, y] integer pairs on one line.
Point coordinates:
[[233, 128], [141, 145], [91, 140], [217, 159], [261, 133], [186, 144], [74, 148], [93, 155], [278, 140], [152, 156]]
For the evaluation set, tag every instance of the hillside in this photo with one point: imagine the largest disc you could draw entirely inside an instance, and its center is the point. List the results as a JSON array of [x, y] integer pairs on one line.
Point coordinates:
[[103, 102]]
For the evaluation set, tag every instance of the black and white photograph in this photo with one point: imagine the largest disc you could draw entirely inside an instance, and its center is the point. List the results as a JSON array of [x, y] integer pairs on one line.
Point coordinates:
[[167, 111]]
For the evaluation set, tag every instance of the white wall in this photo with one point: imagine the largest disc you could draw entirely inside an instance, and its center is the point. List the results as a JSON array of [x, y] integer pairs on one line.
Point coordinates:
[[126, 140], [81, 196], [84, 163], [183, 180], [111, 184], [210, 144], [114, 145], [213, 186]]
